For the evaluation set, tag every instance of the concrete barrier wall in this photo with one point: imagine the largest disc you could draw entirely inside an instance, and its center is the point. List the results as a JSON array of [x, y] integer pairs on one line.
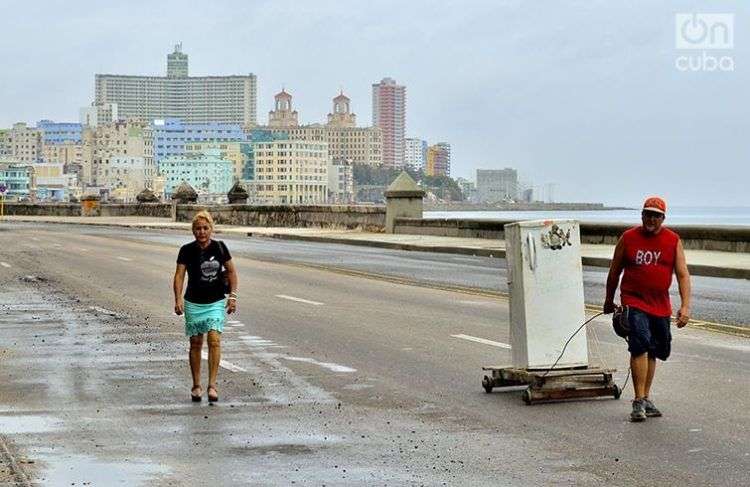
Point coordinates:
[[42, 209], [159, 210], [695, 237], [367, 218]]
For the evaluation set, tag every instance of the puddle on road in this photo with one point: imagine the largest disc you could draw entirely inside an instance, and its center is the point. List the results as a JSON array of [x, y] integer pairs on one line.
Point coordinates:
[[65, 469], [25, 424]]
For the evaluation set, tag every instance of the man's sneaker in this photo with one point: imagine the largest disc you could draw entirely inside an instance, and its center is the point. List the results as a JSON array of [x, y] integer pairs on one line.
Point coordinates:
[[639, 411], [651, 410]]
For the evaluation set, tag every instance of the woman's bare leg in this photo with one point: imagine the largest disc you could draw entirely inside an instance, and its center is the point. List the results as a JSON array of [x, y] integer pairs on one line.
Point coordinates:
[[214, 356], [196, 346]]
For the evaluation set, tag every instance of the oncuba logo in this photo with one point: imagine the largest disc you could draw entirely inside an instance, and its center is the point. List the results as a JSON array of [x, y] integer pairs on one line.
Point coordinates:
[[704, 32]]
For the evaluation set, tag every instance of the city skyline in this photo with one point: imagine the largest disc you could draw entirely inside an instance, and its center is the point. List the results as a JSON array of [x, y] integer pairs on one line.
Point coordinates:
[[561, 92]]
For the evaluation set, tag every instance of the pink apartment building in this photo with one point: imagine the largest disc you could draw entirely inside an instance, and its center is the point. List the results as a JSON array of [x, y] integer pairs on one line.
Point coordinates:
[[389, 113]]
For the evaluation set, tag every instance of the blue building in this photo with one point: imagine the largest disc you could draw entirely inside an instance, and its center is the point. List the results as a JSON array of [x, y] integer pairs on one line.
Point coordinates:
[[171, 134], [59, 132], [207, 173]]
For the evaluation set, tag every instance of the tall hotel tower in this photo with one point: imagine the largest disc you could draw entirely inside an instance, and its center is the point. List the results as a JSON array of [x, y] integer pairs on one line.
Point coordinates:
[[197, 99], [389, 113]]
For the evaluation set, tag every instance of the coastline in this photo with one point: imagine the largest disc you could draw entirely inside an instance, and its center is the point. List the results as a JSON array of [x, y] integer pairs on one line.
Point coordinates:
[[536, 206]]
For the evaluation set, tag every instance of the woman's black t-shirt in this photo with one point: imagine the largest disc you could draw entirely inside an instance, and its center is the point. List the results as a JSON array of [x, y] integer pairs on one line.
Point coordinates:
[[205, 281]]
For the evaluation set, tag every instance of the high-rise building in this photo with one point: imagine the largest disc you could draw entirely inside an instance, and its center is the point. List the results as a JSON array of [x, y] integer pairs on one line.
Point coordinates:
[[438, 160], [496, 185], [201, 99], [26, 143], [415, 152], [389, 113]]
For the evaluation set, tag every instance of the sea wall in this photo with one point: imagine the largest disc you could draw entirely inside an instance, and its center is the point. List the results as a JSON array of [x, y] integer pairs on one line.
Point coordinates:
[[697, 237], [363, 217], [161, 210]]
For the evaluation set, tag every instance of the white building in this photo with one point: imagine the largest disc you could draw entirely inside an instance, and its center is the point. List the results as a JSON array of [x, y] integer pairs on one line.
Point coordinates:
[[415, 152], [229, 99], [291, 172], [497, 185], [207, 173], [340, 182]]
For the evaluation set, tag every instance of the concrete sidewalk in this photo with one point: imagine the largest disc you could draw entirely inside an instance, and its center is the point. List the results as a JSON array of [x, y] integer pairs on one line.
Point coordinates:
[[701, 262]]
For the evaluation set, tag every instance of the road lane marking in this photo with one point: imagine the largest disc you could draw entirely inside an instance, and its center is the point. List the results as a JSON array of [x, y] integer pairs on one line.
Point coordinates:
[[483, 340], [4, 264], [57, 245], [125, 259], [326, 365], [299, 300], [223, 363], [83, 250]]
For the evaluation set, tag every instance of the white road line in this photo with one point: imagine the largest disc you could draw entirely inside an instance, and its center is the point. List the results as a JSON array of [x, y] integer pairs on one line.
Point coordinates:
[[326, 365], [125, 259], [223, 363], [482, 340], [34, 239], [4, 264], [56, 245], [83, 250], [299, 300], [232, 322]]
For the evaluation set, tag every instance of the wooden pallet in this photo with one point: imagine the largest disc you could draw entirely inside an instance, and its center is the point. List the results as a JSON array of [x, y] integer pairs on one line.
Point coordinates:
[[555, 385]]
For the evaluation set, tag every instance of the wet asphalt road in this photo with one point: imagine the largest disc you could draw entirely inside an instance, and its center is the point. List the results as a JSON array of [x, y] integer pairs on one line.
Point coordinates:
[[714, 299], [329, 379]]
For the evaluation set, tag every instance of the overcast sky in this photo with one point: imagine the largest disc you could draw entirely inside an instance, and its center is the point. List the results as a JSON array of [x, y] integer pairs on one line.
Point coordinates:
[[585, 94]]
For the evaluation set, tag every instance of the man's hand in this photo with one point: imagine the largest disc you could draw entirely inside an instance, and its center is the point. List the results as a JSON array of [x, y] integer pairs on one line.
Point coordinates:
[[609, 307], [231, 306], [179, 307], [683, 316]]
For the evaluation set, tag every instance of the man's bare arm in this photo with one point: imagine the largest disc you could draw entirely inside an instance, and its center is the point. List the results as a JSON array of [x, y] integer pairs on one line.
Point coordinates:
[[613, 278], [683, 282]]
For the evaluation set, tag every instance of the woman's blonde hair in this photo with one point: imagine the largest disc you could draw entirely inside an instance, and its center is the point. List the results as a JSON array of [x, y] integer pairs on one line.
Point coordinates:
[[203, 215]]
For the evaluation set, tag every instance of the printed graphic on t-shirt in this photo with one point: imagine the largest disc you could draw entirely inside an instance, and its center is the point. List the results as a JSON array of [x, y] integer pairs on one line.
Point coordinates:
[[210, 269], [647, 257]]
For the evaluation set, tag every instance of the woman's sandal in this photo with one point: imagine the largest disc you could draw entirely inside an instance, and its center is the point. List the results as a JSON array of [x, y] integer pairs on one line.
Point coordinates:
[[215, 396], [196, 397]]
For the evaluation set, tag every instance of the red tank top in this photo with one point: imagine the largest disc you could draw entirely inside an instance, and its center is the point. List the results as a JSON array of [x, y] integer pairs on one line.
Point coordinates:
[[649, 264]]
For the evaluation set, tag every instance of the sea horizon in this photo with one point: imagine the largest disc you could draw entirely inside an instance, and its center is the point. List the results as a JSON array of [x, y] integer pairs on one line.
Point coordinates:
[[677, 215]]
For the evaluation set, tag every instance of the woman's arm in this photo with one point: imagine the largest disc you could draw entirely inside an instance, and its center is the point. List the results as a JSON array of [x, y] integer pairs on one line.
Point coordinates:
[[233, 282], [177, 285]]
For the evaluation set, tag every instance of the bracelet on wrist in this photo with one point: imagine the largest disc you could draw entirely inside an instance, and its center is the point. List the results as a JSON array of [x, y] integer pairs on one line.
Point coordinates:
[[232, 298]]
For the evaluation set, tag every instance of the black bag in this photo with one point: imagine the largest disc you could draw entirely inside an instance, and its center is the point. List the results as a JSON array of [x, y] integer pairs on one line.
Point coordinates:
[[224, 275], [620, 322]]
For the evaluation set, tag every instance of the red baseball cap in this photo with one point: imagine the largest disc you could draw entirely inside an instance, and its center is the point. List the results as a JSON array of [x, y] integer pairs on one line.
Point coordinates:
[[654, 203]]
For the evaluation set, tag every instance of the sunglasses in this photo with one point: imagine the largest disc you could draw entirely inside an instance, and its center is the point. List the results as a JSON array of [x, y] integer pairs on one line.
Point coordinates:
[[652, 214]]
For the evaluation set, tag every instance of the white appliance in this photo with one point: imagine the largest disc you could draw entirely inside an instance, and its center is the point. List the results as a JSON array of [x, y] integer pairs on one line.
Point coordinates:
[[545, 278]]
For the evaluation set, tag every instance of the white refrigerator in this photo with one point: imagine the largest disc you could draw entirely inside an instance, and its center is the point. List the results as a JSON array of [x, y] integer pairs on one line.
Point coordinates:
[[545, 278]]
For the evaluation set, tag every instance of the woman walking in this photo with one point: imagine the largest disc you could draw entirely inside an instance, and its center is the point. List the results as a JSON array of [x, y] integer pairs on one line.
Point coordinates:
[[207, 263]]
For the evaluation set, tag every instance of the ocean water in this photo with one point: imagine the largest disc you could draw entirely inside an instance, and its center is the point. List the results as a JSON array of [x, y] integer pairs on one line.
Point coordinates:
[[686, 215]]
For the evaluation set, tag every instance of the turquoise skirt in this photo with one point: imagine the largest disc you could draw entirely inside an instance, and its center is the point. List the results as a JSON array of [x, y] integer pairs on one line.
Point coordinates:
[[200, 318]]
